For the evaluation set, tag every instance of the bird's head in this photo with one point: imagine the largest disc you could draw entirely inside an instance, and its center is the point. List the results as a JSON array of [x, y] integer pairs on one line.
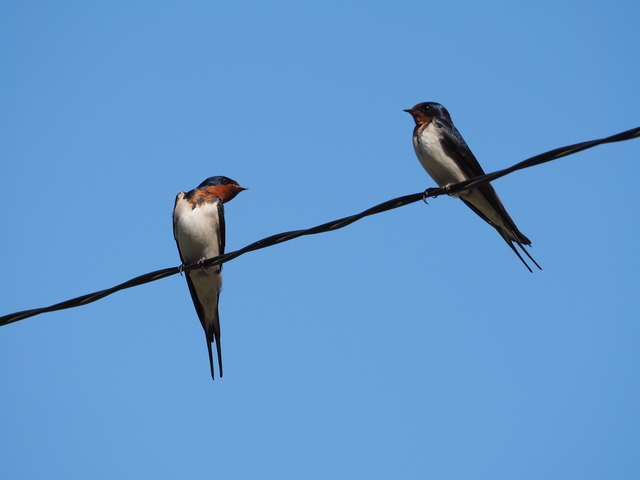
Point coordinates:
[[223, 187], [423, 113]]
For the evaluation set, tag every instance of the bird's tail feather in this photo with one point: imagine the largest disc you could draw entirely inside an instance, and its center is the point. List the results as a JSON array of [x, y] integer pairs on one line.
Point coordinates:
[[529, 255], [510, 241], [213, 335], [210, 358], [219, 349]]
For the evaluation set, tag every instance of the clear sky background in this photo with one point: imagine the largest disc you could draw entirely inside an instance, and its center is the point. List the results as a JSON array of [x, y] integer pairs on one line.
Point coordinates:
[[412, 344]]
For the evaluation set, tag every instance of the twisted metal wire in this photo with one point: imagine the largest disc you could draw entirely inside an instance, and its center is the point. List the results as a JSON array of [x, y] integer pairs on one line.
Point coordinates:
[[325, 227]]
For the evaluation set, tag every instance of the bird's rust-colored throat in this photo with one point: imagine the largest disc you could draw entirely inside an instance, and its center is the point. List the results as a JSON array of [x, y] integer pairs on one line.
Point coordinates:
[[419, 117], [225, 192]]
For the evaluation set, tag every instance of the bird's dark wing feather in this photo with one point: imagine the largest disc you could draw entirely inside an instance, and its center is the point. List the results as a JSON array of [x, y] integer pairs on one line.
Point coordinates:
[[456, 147], [222, 231], [221, 228]]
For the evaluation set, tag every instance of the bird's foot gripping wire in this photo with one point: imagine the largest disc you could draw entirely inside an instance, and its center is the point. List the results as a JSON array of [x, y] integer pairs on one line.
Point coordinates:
[[429, 193], [201, 263]]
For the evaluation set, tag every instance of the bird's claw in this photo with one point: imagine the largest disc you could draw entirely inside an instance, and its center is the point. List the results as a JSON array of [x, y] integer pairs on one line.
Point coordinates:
[[201, 263], [428, 193]]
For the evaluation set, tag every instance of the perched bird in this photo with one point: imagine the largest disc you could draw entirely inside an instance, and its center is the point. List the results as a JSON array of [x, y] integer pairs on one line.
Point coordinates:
[[199, 230], [446, 157]]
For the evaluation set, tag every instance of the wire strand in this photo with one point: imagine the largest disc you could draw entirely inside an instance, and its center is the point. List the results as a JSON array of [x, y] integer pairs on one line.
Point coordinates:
[[325, 227]]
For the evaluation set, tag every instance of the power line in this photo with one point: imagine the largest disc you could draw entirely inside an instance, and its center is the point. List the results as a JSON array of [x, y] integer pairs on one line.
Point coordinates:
[[325, 227]]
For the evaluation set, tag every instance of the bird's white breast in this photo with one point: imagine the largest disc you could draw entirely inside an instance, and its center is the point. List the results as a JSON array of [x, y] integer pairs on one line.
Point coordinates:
[[442, 168], [197, 230]]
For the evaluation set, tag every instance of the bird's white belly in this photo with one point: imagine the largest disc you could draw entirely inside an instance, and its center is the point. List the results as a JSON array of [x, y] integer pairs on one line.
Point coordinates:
[[197, 232], [208, 285], [435, 161]]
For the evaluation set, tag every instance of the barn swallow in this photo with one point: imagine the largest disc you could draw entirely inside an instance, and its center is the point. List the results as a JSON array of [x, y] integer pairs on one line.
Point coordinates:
[[446, 157], [199, 230]]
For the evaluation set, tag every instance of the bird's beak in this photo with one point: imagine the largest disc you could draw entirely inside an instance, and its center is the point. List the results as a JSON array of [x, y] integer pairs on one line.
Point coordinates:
[[409, 110]]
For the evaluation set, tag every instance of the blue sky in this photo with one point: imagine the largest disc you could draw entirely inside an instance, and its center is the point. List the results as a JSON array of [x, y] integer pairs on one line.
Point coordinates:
[[412, 344]]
